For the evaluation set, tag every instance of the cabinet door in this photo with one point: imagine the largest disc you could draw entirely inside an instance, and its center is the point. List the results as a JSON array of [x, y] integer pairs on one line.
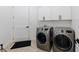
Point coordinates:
[[21, 23], [65, 13], [5, 25], [55, 12], [44, 13]]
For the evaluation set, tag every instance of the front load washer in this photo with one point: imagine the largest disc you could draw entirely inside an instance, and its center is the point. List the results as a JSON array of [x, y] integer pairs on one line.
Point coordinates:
[[64, 39], [43, 38]]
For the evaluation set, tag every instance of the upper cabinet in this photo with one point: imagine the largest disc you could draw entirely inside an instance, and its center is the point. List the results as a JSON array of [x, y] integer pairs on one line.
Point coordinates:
[[54, 13], [44, 13], [65, 12]]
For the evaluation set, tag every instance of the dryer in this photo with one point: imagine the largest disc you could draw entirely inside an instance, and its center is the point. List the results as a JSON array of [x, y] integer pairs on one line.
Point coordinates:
[[64, 39], [44, 41]]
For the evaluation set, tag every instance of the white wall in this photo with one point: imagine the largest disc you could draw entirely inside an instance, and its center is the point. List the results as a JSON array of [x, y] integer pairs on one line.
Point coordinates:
[[75, 18], [33, 21], [75, 23], [5, 25]]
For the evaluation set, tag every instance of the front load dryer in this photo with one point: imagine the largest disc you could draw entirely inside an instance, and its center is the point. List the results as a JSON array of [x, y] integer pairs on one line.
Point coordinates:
[[64, 39], [43, 38]]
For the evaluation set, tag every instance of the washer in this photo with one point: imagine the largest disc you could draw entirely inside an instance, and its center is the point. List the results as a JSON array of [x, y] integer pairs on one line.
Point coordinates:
[[44, 41], [64, 39]]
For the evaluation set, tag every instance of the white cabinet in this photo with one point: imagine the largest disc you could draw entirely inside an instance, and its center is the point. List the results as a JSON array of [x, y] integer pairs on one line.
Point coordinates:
[[21, 26], [65, 12], [44, 13], [54, 13], [55, 10]]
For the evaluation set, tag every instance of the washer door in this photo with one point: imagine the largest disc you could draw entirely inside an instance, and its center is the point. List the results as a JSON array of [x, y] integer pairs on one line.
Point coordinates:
[[41, 37], [62, 42]]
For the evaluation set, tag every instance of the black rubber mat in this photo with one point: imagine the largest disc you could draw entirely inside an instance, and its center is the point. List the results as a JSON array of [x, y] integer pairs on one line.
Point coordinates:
[[21, 44]]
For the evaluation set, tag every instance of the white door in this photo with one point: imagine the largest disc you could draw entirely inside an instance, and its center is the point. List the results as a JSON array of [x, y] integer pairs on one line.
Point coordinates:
[[21, 26], [44, 13], [5, 25]]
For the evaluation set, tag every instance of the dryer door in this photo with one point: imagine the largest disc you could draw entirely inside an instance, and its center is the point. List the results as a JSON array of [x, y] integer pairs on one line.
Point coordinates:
[[63, 42], [41, 37]]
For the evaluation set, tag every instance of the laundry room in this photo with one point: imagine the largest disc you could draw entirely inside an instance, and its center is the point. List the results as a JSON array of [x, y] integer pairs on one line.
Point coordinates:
[[39, 28]]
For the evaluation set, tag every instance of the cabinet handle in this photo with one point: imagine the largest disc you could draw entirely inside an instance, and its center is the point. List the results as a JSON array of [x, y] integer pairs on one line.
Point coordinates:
[[27, 26], [43, 18], [60, 17]]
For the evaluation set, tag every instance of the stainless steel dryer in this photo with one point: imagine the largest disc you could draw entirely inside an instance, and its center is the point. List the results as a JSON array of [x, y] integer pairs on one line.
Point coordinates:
[[64, 39], [43, 38]]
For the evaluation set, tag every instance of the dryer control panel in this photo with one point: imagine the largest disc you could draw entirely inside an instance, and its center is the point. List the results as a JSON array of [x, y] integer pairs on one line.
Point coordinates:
[[68, 31]]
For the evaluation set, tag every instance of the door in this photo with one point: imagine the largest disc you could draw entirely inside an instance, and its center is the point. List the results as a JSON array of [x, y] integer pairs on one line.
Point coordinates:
[[21, 23], [63, 42], [41, 37]]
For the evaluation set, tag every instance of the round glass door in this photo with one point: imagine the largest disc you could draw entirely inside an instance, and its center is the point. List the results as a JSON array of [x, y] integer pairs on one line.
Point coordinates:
[[63, 42], [41, 37]]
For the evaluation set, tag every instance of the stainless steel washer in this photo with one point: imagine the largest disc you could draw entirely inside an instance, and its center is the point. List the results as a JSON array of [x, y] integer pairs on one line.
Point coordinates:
[[64, 39], [43, 38]]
